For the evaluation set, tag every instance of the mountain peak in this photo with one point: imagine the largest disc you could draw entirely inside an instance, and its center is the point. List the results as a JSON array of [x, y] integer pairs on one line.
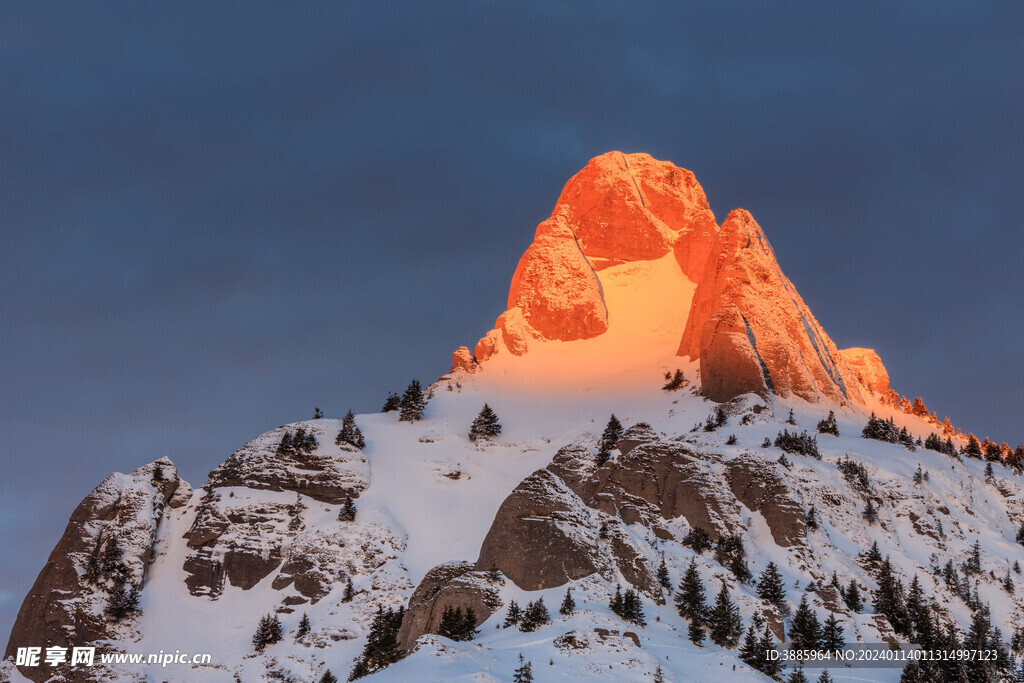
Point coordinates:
[[627, 220]]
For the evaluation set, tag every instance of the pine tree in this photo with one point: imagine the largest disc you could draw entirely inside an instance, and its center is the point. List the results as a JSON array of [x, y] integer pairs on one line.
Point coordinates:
[[301, 443], [695, 632], [771, 588], [485, 426], [870, 512], [797, 676], [824, 677], [349, 592], [829, 425], [350, 433], [690, 600], [456, 624], [328, 677], [663, 577], [393, 402], [514, 614], [413, 403], [92, 568], [832, 637], [123, 599], [612, 434], [1020, 534], [790, 420], [304, 626], [451, 623], [852, 597], [730, 553], [659, 674], [295, 523], [632, 608], [769, 667], [973, 448], [697, 539], [918, 614], [980, 637], [111, 565], [317, 413], [615, 602], [675, 381], [285, 447], [720, 417], [268, 632], [805, 633], [568, 604], [724, 620], [873, 556], [812, 518], [890, 599], [749, 652], [534, 616], [973, 563], [381, 649], [347, 513], [912, 673], [524, 674]]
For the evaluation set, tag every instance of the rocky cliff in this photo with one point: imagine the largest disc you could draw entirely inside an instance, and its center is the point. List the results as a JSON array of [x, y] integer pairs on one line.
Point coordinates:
[[747, 325], [104, 554]]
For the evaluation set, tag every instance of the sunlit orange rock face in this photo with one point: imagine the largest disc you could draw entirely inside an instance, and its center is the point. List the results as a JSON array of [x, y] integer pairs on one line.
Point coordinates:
[[868, 367], [752, 331], [632, 207], [619, 208], [747, 324]]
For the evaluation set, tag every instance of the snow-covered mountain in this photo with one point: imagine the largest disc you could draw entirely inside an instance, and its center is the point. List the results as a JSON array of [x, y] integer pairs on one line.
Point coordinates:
[[631, 301]]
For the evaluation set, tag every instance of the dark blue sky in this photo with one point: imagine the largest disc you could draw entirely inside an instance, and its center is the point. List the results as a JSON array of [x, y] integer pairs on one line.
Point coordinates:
[[215, 216]]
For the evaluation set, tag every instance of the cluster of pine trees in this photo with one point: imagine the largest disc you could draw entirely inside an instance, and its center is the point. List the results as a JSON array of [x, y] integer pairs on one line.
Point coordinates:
[[757, 645], [698, 540], [457, 624], [729, 550], [524, 673], [935, 443], [350, 433], [730, 553], [299, 443], [886, 430], [108, 571], [628, 606], [410, 405], [800, 444], [722, 620], [268, 632], [381, 649], [855, 473], [674, 380], [913, 616], [532, 618], [716, 419], [829, 424]]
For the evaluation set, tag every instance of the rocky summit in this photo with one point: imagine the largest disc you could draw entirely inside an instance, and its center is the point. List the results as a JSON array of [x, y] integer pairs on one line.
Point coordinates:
[[657, 466], [747, 325]]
